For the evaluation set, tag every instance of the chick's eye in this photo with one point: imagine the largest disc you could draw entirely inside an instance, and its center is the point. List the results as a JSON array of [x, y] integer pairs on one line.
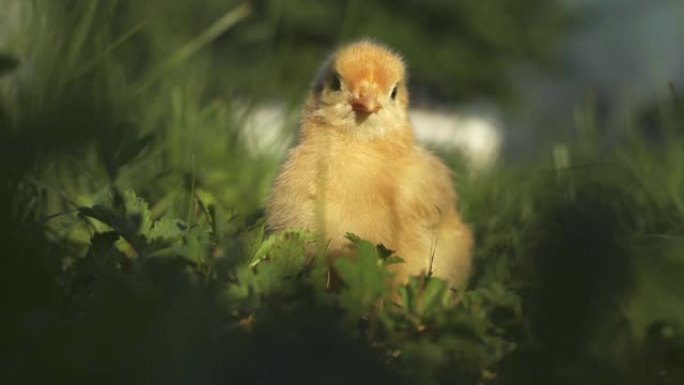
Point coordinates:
[[393, 95], [335, 83]]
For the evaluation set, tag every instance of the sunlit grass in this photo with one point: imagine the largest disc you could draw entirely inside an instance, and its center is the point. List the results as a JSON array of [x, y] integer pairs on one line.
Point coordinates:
[[137, 205]]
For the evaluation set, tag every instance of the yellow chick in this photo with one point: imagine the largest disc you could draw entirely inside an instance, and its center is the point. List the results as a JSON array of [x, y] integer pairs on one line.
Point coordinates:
[[357, 168]]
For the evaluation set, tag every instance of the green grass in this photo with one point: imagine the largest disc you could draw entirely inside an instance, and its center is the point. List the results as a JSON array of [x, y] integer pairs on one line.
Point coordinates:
[[134, 248]]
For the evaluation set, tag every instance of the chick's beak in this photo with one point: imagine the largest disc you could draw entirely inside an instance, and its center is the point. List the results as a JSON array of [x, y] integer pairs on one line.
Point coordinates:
[[365, 103]]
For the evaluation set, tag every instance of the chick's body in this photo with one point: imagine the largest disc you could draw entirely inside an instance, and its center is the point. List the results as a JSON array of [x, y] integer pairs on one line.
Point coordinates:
[[357, 169]]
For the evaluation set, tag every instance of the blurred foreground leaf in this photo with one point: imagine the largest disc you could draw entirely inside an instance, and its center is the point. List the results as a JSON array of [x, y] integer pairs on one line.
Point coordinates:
[[8, 63]]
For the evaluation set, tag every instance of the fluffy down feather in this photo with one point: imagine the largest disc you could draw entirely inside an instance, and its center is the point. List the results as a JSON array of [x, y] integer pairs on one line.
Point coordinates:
[[356, 168]]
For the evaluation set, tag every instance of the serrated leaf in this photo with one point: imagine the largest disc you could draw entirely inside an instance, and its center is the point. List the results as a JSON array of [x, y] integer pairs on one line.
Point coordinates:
[[364, 248], [138, 212], [279, 260], [283, 245], [197, 244], [410, 292], [366, 278], [384, 252], [352, 237], [393, 260], [133, 221], [422, 295], [432, 296], [166, 229]]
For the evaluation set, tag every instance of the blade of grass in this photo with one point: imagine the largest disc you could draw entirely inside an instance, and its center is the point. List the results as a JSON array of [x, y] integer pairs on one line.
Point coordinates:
[[195, 45], [116, 44], [83, 30]]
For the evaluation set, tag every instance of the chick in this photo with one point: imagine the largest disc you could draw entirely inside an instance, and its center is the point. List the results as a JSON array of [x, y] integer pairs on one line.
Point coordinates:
[[356, 168]]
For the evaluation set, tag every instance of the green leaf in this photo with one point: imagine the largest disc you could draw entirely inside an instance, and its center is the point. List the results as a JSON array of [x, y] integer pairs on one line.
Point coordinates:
[[137, 212], [274, 268], [423, 295], [365, 276], [197, 245], [166, 229], [433, 295], [393, 260], [384, 252], [133, 221]]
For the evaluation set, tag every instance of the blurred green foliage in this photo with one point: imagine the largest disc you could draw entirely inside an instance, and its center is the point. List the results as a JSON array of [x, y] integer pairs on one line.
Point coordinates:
[[455, 50], [133, 241]]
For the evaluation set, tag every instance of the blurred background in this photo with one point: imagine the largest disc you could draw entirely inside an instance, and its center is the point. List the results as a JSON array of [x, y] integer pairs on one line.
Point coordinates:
[[127, 125], [488, 78]]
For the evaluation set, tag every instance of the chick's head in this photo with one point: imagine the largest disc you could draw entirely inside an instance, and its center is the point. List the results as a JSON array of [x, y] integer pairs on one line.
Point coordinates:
[[361, 87]]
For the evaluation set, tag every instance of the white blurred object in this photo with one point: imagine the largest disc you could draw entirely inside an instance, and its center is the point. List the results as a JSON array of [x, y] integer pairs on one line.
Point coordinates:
[[263, 128], [477, 134]]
